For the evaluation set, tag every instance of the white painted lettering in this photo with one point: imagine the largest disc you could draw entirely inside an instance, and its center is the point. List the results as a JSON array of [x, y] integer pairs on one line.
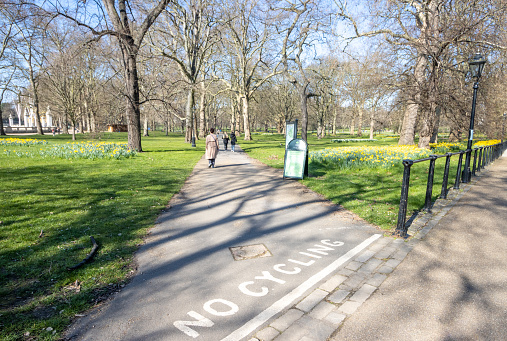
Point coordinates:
[[320, 249], [302, 263], [246, 291], [268, 276], [293, 272], [330, 243], [310, 255], [201, 322], [233, 307]]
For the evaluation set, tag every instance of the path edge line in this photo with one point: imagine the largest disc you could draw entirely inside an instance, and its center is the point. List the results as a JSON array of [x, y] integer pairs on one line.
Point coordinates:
[[285, 301]]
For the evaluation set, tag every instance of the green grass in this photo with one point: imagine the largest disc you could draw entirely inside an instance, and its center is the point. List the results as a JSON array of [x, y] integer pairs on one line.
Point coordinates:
[[371, 193], [50, 208]]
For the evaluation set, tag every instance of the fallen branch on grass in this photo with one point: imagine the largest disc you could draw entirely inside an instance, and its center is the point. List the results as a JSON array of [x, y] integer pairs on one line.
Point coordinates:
[[89, 257]]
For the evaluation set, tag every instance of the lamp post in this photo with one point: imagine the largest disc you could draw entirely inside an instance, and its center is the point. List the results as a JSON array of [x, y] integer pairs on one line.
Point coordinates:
[[476, 67], [503, 125]]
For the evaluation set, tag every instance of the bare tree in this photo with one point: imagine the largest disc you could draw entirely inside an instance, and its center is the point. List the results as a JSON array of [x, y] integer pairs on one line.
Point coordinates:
[[250, 30], [7, 65], [423, 30], [30, 25], [65, 73], [324, 77], [126, 24], [186, 36], [304, 19]]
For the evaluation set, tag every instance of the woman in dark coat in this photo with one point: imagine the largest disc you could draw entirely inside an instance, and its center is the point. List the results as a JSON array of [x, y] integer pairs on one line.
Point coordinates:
[[233, 140], [225, 139]]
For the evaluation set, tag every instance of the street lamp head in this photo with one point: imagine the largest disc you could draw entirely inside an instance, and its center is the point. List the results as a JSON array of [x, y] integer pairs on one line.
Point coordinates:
[[477, 65]]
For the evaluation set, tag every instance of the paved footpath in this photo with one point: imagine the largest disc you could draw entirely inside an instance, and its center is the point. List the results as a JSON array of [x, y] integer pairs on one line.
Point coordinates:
[[453, 285], [242, 254]]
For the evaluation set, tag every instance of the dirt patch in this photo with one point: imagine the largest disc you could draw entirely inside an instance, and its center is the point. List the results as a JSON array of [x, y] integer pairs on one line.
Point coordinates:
[[43, 313]]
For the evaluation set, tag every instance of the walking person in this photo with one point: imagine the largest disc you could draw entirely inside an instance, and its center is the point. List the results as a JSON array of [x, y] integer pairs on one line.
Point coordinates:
[[211, 148], [225, 138], [233, 140]]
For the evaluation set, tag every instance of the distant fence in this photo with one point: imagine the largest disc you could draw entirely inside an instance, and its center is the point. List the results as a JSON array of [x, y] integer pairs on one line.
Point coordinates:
[[482, 156], [25, 130]]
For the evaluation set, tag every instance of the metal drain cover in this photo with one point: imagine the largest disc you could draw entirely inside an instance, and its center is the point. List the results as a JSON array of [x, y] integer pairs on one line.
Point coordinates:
[[249, 252]]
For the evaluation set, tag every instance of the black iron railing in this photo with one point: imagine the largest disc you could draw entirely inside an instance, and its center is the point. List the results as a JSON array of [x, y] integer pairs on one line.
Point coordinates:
[[482, 156]]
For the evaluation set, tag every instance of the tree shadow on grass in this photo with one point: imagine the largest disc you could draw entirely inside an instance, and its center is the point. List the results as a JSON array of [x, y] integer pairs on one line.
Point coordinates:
[[48, 215]]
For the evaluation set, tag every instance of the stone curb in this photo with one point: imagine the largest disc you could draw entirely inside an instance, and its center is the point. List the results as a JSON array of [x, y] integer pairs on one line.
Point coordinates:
[[319, 315]]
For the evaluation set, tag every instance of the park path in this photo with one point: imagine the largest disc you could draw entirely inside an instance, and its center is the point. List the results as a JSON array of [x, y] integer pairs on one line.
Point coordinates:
[[453, 285], [189, 286], [323, 274]]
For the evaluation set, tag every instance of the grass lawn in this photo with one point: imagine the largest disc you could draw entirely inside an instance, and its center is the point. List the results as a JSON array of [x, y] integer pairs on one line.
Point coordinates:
[[373, 194], [49, 208]]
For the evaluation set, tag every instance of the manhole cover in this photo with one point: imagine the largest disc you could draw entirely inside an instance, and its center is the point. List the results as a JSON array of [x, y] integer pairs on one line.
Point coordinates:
[[249, 252]]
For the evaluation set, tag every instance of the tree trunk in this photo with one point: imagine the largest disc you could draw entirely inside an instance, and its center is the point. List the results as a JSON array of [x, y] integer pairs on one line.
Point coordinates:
[[335, 116], [66, 124], [35, 99], [237, 111], [202, 115], [303, 98], [430, 110], [37, 113], [133, 111], [195, 127], [407, 134], [146, 126], [233, 115], [434, 137], [321, 127], [73, 130], [246, 118], [454, 133], [360, 120], [2, 131], [238, 117], [189, 115], [83, 122], [372, 126], [93, 122]]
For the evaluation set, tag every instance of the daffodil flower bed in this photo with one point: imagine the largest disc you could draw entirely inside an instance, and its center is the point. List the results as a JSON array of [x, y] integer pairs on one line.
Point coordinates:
[[446, 147], [368, 156], [88, 150], [72, 150], [21, 142], [486, 143]]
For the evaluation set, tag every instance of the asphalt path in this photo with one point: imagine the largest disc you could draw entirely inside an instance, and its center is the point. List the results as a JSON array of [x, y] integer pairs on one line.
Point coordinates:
[[190, 287], [453, 284]]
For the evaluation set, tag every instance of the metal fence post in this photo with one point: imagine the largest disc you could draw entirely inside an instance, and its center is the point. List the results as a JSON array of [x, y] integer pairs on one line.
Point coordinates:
[[445, 181], [475, 162], [483, 157], [401, 230], [458, 172], [429, 186], [479, 163]]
